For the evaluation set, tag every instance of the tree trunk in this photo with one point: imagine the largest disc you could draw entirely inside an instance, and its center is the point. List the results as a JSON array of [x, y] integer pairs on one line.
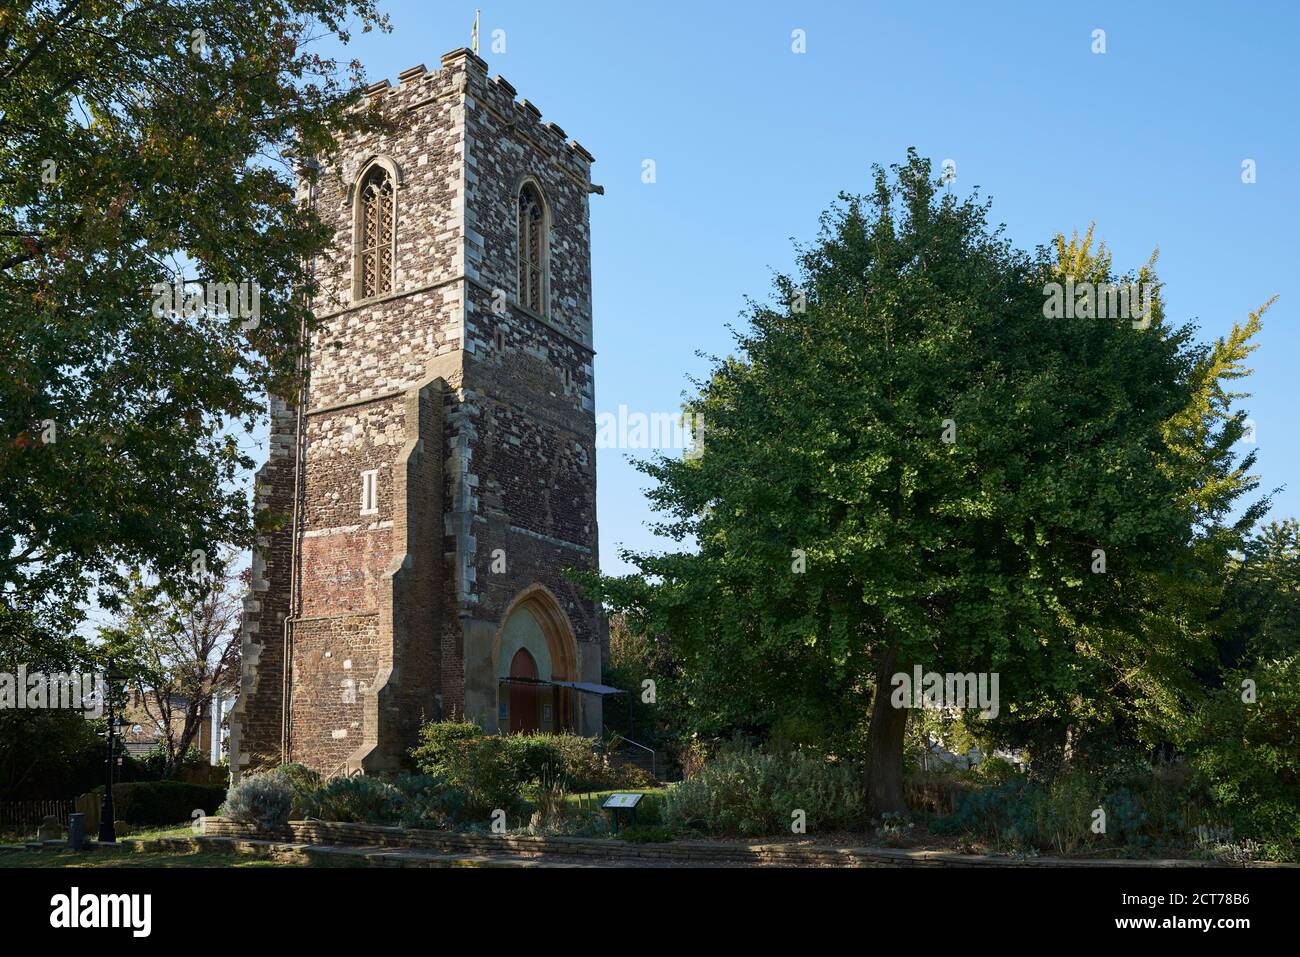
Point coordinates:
[[189, 732], [885, 743]]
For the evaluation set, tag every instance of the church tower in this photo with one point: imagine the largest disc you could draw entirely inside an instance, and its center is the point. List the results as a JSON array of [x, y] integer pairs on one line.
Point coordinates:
[[438, 474]]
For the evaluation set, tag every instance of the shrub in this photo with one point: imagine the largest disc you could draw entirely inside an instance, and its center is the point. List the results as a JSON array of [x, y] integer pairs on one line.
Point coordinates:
[[647, 834], [894, 829], [484, 772], [1021, 814], [650, 810], [427, 802], [1145, 809], [981, 813], [479, 766], [748, 792], [162, 802], [994, 770], [1244, 852], [570, 824], [581, 764], [411, 800], [1060, 815], [262, 799], [352, 800], [302, 781], [441, 745], [692, 757], [1247, 756], [534, 757], [626, 775], [299, 776], [154, 764], [582, 767], [493, 771], [936, 791]]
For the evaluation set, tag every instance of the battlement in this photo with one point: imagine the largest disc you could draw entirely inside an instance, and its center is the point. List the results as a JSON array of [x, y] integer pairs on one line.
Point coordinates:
[[496, 93]]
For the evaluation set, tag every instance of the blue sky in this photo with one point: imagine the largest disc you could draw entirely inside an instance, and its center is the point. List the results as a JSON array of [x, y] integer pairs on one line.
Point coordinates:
[[751, 141]]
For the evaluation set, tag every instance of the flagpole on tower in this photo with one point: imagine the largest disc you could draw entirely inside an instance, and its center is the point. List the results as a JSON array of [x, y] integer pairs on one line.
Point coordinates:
[[473, 41]]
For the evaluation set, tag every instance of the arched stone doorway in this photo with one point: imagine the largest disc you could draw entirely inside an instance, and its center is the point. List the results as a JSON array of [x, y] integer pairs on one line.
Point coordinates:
[[535, 646]]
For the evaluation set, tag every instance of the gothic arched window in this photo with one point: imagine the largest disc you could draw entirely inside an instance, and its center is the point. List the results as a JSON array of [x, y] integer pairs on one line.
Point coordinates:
[[376, 214], [532, 249]]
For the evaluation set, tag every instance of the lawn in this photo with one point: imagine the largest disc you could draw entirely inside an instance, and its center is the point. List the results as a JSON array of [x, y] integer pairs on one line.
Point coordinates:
[[111, 859], [21, 835], [128, 857], [178, 830], [647, 812]]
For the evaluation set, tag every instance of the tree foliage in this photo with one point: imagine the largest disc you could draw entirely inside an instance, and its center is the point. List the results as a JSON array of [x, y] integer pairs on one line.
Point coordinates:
[[48, 753], [1243, 734], [141, 143], [906, 463]]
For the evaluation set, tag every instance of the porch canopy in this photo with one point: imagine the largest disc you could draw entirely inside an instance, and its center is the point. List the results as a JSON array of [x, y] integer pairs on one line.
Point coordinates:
[[586, 687]]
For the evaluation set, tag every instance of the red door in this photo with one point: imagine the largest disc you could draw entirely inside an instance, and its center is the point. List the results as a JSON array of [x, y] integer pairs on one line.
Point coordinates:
[[523, 698]]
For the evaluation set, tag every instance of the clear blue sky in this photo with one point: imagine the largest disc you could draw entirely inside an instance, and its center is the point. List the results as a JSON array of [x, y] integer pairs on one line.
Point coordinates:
[[752, 141]]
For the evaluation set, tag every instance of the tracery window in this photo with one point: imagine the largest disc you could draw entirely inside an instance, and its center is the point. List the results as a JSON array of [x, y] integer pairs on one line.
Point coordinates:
[[376, 215]]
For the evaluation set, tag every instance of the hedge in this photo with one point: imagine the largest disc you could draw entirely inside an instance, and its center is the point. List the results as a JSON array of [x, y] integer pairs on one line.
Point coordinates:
[[163, 802]]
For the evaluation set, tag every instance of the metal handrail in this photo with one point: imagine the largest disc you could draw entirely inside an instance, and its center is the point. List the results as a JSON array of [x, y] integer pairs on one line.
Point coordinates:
[[654, 773], [339, 772]]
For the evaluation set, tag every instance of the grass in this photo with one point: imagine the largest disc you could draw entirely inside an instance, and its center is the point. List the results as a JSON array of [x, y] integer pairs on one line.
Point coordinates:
[[648, 812], [128, 856], [177, 830], [111, 859], [21, 835]]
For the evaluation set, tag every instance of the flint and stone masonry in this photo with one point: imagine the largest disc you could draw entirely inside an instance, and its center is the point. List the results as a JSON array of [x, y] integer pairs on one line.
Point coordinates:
[[380, 602]]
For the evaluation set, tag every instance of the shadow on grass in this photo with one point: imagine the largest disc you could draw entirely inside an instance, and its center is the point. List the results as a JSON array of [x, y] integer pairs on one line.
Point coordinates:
[[133, 859]]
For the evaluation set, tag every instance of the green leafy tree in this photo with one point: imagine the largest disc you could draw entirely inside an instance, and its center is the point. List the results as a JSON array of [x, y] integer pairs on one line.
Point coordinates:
[[907, 463], [1127, 681], [634, 659], [142, 143], [1260, 613], [48, 753], [1245, 746], [1243, 734]]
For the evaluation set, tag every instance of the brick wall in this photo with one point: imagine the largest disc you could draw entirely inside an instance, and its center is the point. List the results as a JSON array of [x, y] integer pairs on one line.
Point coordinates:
[[335, 668]]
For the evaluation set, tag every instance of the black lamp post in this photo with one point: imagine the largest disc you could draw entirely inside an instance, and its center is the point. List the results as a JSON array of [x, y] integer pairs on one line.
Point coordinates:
[[107, 831]]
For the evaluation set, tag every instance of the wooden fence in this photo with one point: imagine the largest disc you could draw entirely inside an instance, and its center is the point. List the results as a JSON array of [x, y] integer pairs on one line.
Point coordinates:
[[34, 813]]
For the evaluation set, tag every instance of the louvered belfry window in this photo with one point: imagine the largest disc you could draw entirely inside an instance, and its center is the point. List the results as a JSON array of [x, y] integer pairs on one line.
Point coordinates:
[[531, 250], [376, 266]]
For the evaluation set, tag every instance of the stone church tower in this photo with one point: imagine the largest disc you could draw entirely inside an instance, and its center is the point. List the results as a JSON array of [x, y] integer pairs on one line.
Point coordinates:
[[439, 473]]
